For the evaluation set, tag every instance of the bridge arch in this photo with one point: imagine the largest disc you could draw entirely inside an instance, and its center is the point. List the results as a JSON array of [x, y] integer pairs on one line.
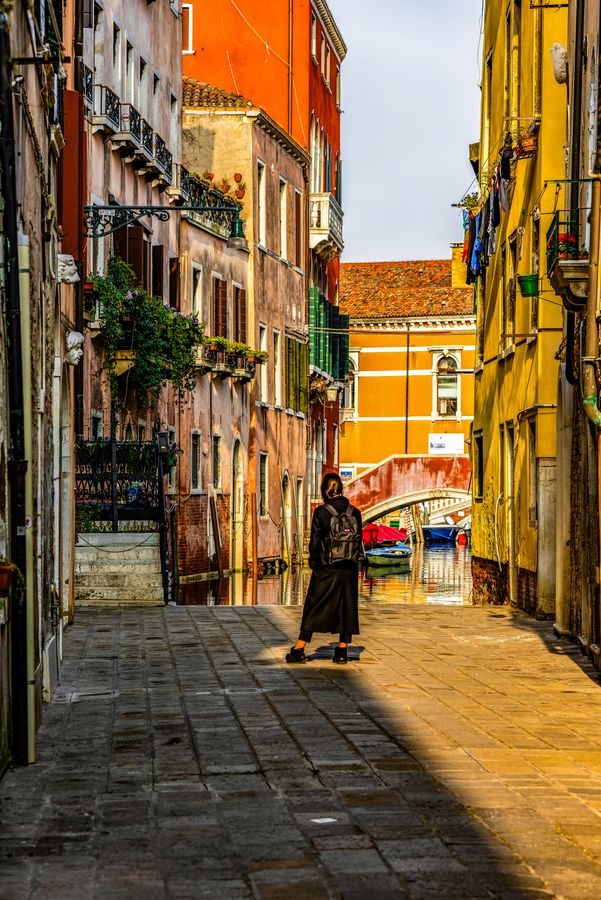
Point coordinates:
[[391, 504], [405, 480]]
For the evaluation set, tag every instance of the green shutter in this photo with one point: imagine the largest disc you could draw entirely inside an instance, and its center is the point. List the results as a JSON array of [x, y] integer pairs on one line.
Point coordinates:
[[313, 321], [344, 346], [335, 344], [304, 379]]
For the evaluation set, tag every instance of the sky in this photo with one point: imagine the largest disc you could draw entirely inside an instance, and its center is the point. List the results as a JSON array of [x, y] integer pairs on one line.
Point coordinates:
[[410, 98]]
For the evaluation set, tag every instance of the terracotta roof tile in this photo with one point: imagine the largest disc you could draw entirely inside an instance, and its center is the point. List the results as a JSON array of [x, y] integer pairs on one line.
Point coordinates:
[[198, 94], [402, 290]]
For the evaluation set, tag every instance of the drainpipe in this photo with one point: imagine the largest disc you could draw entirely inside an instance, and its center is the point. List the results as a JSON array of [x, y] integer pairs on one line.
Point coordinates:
[[576, 116], [407, 392], [17, 464]]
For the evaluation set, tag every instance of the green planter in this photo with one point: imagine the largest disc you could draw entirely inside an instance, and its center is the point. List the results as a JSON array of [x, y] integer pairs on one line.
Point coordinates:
[[528, 285]]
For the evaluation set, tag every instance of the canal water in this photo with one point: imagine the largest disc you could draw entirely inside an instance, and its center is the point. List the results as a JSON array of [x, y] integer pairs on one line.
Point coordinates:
[[438, 575]]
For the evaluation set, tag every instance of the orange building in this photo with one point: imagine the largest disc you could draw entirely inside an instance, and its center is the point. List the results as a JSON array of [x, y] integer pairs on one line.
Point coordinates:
[[286, 58], [411, 383]]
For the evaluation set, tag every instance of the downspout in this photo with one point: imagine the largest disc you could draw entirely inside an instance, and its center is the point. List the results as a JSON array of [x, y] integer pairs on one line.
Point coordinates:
[[407, 391], [17, 464], [576, 116], [290, 51]]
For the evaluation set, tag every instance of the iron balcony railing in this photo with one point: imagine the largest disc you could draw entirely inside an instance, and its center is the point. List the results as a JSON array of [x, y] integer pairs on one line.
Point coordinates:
[[325, 220], [117, 480], [131, 122], [163, 157], [147, 138], [87, 83], [107, 108], [565, 239]]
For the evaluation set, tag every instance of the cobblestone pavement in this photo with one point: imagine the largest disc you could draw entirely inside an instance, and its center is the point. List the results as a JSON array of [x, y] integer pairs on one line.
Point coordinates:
[[458, 755]]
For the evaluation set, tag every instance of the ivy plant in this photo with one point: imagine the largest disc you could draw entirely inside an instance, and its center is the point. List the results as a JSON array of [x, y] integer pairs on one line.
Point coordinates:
[[161, 339]]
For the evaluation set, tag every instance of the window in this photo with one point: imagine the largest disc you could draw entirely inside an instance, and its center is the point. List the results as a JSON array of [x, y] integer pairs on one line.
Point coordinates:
[[132, 244], [171, 472], [535, 270], [129, 93], [141, 432], [511, 290], [143, 88], [96, 426], [296, 375], [174, 282], [447, 386], [277, 369], [239, 314], [196, 462], [158, 263], [187, 34], [117, 60], [532, 475], [328, 63], [338, 88], [487, 106], [261, 204], [216, 461], [156, 101], [283, 220], [219, 323], [323, 53], [263, 486], [314, 38], [263, 369], [196, 291], [298, 229], [478, 462], [99, 44], [335, 445], [174, 127]]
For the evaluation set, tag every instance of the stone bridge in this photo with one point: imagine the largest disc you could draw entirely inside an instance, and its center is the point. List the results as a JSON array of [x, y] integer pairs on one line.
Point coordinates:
[[405, 480]]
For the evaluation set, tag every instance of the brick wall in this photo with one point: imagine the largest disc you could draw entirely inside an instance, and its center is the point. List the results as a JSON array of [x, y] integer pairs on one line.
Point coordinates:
[[491, 585], [192, 538]]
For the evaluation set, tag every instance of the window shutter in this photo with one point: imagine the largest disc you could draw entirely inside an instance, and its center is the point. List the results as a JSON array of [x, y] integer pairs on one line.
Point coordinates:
[[158, 258], [135, 252], [289, 373], [304, 379], [223, 308], [174, 282], [215, 322], [313, 334], [242, 327]]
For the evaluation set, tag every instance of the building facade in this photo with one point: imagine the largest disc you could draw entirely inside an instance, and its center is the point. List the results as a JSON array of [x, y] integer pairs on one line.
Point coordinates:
[[227, 136], [298, 85], [412, 351], [519, 323]]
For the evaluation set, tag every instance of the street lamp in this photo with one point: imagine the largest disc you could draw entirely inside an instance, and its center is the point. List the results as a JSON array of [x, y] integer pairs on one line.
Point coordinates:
[[100, 221]]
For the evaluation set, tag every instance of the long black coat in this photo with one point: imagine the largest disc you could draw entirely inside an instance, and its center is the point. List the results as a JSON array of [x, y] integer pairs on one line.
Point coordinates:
[[331, 604]]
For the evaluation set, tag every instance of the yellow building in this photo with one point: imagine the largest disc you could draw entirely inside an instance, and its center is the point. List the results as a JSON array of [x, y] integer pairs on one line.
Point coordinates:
[[412, 343], [518, 336]]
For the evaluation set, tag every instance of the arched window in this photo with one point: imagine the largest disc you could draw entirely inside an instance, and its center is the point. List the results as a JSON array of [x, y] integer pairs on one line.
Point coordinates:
[[447, 386]]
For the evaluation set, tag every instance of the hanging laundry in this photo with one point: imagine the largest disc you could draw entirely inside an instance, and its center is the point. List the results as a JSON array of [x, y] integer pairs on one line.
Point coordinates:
[[504, 196]]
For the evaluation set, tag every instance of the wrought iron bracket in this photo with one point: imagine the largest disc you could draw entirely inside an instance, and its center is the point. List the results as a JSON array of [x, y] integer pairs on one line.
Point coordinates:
[[100, 221]]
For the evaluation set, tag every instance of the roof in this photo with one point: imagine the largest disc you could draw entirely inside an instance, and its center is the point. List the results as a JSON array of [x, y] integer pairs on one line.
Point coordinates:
[[199, 94], [393, 290]]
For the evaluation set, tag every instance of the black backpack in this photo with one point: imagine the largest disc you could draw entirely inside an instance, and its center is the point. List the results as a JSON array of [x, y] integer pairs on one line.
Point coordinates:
[[344, 543]]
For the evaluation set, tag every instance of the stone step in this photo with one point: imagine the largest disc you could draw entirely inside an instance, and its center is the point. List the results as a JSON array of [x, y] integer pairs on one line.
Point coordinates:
[[98, 553], [124, 567], [100, 580], [121, 538], [99, 595], [85, 601]]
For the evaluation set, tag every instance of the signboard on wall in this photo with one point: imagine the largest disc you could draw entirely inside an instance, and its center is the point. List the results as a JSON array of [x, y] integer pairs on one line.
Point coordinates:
[[446, 444], [346, 474]]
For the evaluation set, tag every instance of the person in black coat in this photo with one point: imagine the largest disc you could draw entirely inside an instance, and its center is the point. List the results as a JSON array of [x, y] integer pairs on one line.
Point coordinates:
[[332, 600]]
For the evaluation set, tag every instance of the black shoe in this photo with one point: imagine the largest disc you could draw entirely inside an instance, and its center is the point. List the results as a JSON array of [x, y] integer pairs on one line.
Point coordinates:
[[296, 655], [340, 655]]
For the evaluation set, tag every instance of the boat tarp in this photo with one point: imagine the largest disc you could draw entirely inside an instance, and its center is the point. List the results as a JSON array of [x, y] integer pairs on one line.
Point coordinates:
[[378, 534]]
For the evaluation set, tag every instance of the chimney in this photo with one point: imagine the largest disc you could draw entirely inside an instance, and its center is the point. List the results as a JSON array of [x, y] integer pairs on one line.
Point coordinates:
[[458, 267]]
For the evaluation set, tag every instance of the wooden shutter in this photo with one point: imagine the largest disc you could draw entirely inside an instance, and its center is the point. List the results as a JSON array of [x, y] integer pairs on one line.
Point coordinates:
[[298, 230], [174, 282], [88, 14], [304, 379], [223, 308], [136, 253], [158, 261], [73, 176], [241, 314]]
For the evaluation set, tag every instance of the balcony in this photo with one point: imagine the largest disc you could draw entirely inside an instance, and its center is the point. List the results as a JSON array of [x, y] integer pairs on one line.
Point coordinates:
[[129, 137], [107, 110], [179, 191], [163, 159], [567, 259], [87, 86], [325, 226]]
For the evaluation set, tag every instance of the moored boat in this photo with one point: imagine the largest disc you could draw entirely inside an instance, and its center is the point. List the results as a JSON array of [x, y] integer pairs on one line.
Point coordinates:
[[397, 554], [440, 534]]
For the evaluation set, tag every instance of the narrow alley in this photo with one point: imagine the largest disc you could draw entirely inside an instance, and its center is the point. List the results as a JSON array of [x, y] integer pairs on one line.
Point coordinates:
[[454, 756]]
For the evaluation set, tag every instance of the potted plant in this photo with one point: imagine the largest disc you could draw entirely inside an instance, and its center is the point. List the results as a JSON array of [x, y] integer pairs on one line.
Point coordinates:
[[237, 177], [207, 176], [240, 190], [566, 245], [224, 186]]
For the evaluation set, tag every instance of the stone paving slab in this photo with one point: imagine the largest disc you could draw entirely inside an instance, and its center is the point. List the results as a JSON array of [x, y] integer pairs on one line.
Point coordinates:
[[457, 755]]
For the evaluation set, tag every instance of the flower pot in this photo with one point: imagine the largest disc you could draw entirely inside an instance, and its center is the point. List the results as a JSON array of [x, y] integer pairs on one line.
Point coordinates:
[[6, 577], [240, 194], [528, 285], [238, 177]]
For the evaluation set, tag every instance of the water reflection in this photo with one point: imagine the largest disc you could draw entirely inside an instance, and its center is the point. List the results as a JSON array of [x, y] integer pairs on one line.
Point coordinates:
[[436, 575]]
